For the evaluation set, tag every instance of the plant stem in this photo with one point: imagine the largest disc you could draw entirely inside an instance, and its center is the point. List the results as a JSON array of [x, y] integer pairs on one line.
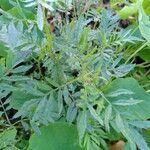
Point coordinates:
[[139, 49], [23, 15], [49, 39], [7, 118]]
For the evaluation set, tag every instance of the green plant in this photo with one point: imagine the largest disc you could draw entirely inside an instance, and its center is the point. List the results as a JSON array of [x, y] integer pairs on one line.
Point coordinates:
[[73, 78]]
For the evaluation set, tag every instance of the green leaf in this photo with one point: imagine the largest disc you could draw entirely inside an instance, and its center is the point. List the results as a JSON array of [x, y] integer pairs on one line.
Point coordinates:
[[16, 78], [146, 6], [56, 136], [82, 124], [2, 68], [40, 17], [140, 124], [127, 102], [95, 115], [123, 70], [145, 134], [144, 22], [120, 92], [7, 138], [21, 13], [21, 69], [25, 110], [108, 113], [49, 7], [124, 130], [139, 111], [71, 113], [127, 11], [145, 54], [60, 101], [66, 95], [3, 50], [139, 140], [5, 5], [19, 97]]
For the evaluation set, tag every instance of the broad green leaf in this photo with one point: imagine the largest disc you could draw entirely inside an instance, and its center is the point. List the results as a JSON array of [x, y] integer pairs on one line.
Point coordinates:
[[20, 14], [145, 54], [138, 111], [127, 11], [40, 17], [56, 136], [7, 138], [5, 5], [146, 6]]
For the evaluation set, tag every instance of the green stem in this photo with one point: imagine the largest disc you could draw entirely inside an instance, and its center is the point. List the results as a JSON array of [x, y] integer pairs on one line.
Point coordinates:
[[7, 118], [22, 13], [49, 40], [139, 49]]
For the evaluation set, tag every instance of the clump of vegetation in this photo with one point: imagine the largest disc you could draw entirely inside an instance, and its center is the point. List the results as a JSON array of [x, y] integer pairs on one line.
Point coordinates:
[[74, 75]]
